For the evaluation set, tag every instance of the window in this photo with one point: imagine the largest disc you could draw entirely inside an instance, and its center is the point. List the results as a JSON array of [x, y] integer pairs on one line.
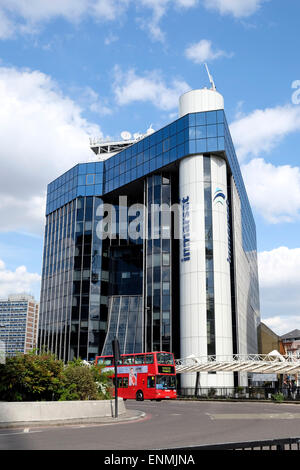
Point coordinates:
[[128, 359], [165, 382], [166, 288], [166, 145], [151, 382], [156, 260], [139, 359], [108, 361], [149, 359], [164, 358], [166, 302], [201, 132], [166, 259], [212, 131], [90, 179]]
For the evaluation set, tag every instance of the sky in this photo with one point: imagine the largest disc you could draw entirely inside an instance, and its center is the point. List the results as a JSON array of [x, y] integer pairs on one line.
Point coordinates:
[[71, 70]]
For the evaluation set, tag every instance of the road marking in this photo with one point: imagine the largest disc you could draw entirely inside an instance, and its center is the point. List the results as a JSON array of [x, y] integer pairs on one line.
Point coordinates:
[[19, 432], [265, 416]]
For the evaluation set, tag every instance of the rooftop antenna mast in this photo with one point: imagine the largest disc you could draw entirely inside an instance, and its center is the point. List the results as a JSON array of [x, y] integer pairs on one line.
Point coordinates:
[[213, 86]]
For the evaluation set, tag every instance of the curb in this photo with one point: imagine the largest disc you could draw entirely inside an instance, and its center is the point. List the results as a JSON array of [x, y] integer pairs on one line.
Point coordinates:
[[128, 416]]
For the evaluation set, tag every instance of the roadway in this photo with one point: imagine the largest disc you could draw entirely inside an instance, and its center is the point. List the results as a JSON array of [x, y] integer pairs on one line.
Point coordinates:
[[165, 425]]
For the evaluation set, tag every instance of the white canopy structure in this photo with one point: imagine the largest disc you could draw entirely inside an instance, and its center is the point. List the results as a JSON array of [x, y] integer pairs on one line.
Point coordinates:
[[272, 363]]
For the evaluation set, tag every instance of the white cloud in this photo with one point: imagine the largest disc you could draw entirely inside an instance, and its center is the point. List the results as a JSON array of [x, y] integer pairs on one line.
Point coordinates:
[[111, 38], [279, 276], [42, 134], [263, 129], [186, 3], [89, 99], [279, 267], [202, 51], [108, 9], [130, 87], [22, 214], [35, 10], [18, 281], [159, 9], [282, 325], [28, 16], [7, 28], [71, 10], [274, 191], [237, 8]]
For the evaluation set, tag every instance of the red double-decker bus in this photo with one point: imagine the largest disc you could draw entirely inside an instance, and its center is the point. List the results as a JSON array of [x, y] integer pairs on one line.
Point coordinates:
[[149, 376]]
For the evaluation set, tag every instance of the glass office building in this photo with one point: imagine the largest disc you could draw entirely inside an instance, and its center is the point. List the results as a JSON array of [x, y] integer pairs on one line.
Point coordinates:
[[18, 324], [154, 243]]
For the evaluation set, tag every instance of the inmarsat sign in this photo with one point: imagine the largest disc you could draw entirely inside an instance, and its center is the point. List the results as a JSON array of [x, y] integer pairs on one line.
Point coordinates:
[[186, 229]]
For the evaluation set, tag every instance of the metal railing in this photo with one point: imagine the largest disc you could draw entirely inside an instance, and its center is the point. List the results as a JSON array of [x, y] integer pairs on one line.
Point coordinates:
[[291, 443], [247, 393]]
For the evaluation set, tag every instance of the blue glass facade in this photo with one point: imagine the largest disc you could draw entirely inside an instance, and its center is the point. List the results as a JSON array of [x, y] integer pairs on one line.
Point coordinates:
[[85, 179], [125, 322], [77, 272], [205, 132]]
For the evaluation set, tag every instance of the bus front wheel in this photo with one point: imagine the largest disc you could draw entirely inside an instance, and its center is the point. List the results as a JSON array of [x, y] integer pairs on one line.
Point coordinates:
[[139, 395]]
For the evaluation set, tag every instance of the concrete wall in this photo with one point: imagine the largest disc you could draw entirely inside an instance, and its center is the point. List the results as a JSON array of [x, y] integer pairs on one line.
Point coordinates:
[[55, 412]]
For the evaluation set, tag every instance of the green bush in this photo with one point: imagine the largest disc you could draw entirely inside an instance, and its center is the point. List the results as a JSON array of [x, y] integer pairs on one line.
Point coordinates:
[[84, 382], [212, 392], [33, 377], [103, 381], [278, 397]]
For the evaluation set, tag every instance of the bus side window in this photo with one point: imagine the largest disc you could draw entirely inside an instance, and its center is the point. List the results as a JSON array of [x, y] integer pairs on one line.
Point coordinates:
[[139, 359], [119, 381], [128, 359], [151, 382], [125, 382], [149, 359]]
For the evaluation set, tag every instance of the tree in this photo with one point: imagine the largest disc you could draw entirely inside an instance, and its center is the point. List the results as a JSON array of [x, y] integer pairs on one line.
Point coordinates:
[[83, 381], [78, 382], [31, 377]]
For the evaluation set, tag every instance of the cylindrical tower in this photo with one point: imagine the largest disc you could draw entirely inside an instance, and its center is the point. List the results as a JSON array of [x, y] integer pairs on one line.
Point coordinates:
[[205, 298], [195, 101]]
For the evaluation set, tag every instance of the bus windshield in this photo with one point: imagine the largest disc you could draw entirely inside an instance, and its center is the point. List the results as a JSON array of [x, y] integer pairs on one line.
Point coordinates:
[[164, 358], [164, 382]]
